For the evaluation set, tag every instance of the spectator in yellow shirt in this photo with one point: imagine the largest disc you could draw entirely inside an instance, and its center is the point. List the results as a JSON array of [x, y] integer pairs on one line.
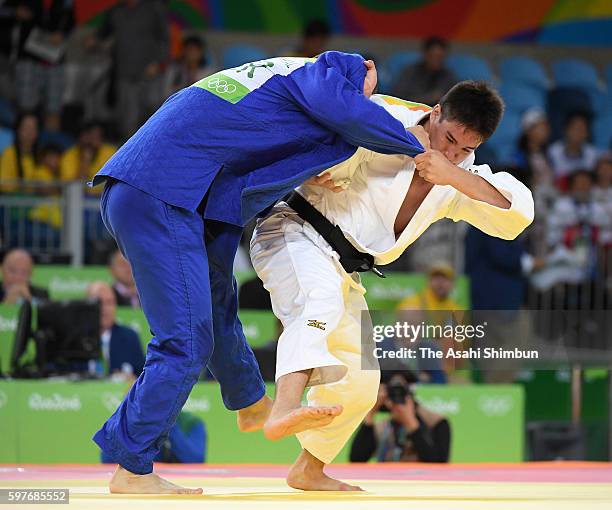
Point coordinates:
[[50, 156], [18, 162], [49, 211], [82, 161], [436, 295]]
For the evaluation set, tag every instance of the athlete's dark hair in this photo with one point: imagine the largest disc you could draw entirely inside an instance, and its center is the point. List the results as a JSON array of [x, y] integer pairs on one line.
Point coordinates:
[[475, 105]]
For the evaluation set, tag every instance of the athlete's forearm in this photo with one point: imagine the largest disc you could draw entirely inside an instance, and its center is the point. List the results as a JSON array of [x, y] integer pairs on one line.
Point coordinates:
[[477, 188], [434, 167]]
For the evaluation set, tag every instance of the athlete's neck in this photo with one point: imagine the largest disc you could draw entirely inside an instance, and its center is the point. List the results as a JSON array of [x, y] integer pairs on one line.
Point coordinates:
[[424, 122]]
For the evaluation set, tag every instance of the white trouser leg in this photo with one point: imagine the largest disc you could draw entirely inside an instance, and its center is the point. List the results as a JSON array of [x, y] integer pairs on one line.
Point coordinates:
[[306, 292], [305, 284], [356, 391]]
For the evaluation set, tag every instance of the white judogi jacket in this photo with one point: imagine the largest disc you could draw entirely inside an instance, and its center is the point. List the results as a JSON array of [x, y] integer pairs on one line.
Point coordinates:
[[376, 186], [320, 306]]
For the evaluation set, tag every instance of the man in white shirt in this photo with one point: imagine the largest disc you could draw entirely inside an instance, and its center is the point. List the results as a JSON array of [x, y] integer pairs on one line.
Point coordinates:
[[388, 202]]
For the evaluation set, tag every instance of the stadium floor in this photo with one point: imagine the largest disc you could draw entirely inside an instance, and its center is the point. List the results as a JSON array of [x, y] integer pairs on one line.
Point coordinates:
[[558, 486]]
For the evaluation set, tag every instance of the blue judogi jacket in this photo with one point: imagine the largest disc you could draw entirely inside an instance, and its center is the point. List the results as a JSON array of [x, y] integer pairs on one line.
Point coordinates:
[[250, 134]]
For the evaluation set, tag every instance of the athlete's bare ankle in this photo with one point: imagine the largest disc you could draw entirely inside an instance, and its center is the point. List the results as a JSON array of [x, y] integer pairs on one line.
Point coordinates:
[[289, 390], [309, 464]]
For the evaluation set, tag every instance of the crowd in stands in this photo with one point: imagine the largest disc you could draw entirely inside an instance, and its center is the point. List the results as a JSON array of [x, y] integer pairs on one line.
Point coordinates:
[[568, 174], [58, 125], [48, 137]]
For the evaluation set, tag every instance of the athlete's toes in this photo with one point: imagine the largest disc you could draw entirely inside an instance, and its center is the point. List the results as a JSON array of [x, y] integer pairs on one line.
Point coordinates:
[[185, 490]]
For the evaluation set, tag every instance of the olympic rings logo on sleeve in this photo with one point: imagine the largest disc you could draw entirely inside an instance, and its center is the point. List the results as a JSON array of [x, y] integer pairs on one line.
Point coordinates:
[[221, 86]]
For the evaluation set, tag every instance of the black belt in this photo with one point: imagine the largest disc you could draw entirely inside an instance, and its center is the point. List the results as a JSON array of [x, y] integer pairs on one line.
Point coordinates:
[[350, 257]]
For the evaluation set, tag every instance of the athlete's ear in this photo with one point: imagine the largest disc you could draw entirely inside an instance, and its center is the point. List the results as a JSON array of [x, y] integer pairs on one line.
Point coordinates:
[[436, 113]]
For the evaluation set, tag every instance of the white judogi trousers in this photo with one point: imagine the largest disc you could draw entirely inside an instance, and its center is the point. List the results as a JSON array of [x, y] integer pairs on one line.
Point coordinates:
[[320, 307]]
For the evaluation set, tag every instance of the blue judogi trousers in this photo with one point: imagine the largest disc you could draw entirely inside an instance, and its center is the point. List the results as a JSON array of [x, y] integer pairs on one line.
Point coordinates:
[[182, 265]]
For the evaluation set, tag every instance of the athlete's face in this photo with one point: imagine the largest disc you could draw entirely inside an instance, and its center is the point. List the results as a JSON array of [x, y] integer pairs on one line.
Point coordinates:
[[449, 137]]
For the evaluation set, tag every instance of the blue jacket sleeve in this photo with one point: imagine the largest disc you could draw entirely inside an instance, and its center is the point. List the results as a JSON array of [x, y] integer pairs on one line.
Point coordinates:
[[330, 91]]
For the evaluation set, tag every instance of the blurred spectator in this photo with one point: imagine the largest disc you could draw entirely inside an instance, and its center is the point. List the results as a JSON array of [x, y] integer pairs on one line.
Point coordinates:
[[124, 285], [141, 48], [17, 266], [602, 192], [121, 349], [531, 156], [315, 37], [49, 212], [50, 158], [579, 235], [429, 79], [579, 223], [533, 168], [573, 152], [413, 432], [83, 160], [498, 272], [436, 295], [33, 39], [19, 161], [190, 67]]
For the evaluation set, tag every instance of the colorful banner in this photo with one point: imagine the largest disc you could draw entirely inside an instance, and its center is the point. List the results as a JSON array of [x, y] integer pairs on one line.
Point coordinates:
[[486, 423], [584, 22]]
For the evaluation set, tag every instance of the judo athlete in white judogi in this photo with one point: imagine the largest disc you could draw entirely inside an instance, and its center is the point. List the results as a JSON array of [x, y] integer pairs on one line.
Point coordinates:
[[387, 203]]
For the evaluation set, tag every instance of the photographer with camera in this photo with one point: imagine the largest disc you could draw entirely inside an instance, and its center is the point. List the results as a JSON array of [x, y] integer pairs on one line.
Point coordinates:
[[412, 434]]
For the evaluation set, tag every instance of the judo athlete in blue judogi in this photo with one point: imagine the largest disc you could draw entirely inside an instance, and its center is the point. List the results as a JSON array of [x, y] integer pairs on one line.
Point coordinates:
[[177, 196]]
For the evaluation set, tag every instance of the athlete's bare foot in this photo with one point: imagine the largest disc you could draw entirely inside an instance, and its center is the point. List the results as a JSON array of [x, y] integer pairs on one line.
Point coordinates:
[[126, 482], [286, 422], [252, 418], [307, 474]]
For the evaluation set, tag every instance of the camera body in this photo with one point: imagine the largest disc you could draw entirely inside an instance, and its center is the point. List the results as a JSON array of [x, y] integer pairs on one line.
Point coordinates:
[[398, 390]]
